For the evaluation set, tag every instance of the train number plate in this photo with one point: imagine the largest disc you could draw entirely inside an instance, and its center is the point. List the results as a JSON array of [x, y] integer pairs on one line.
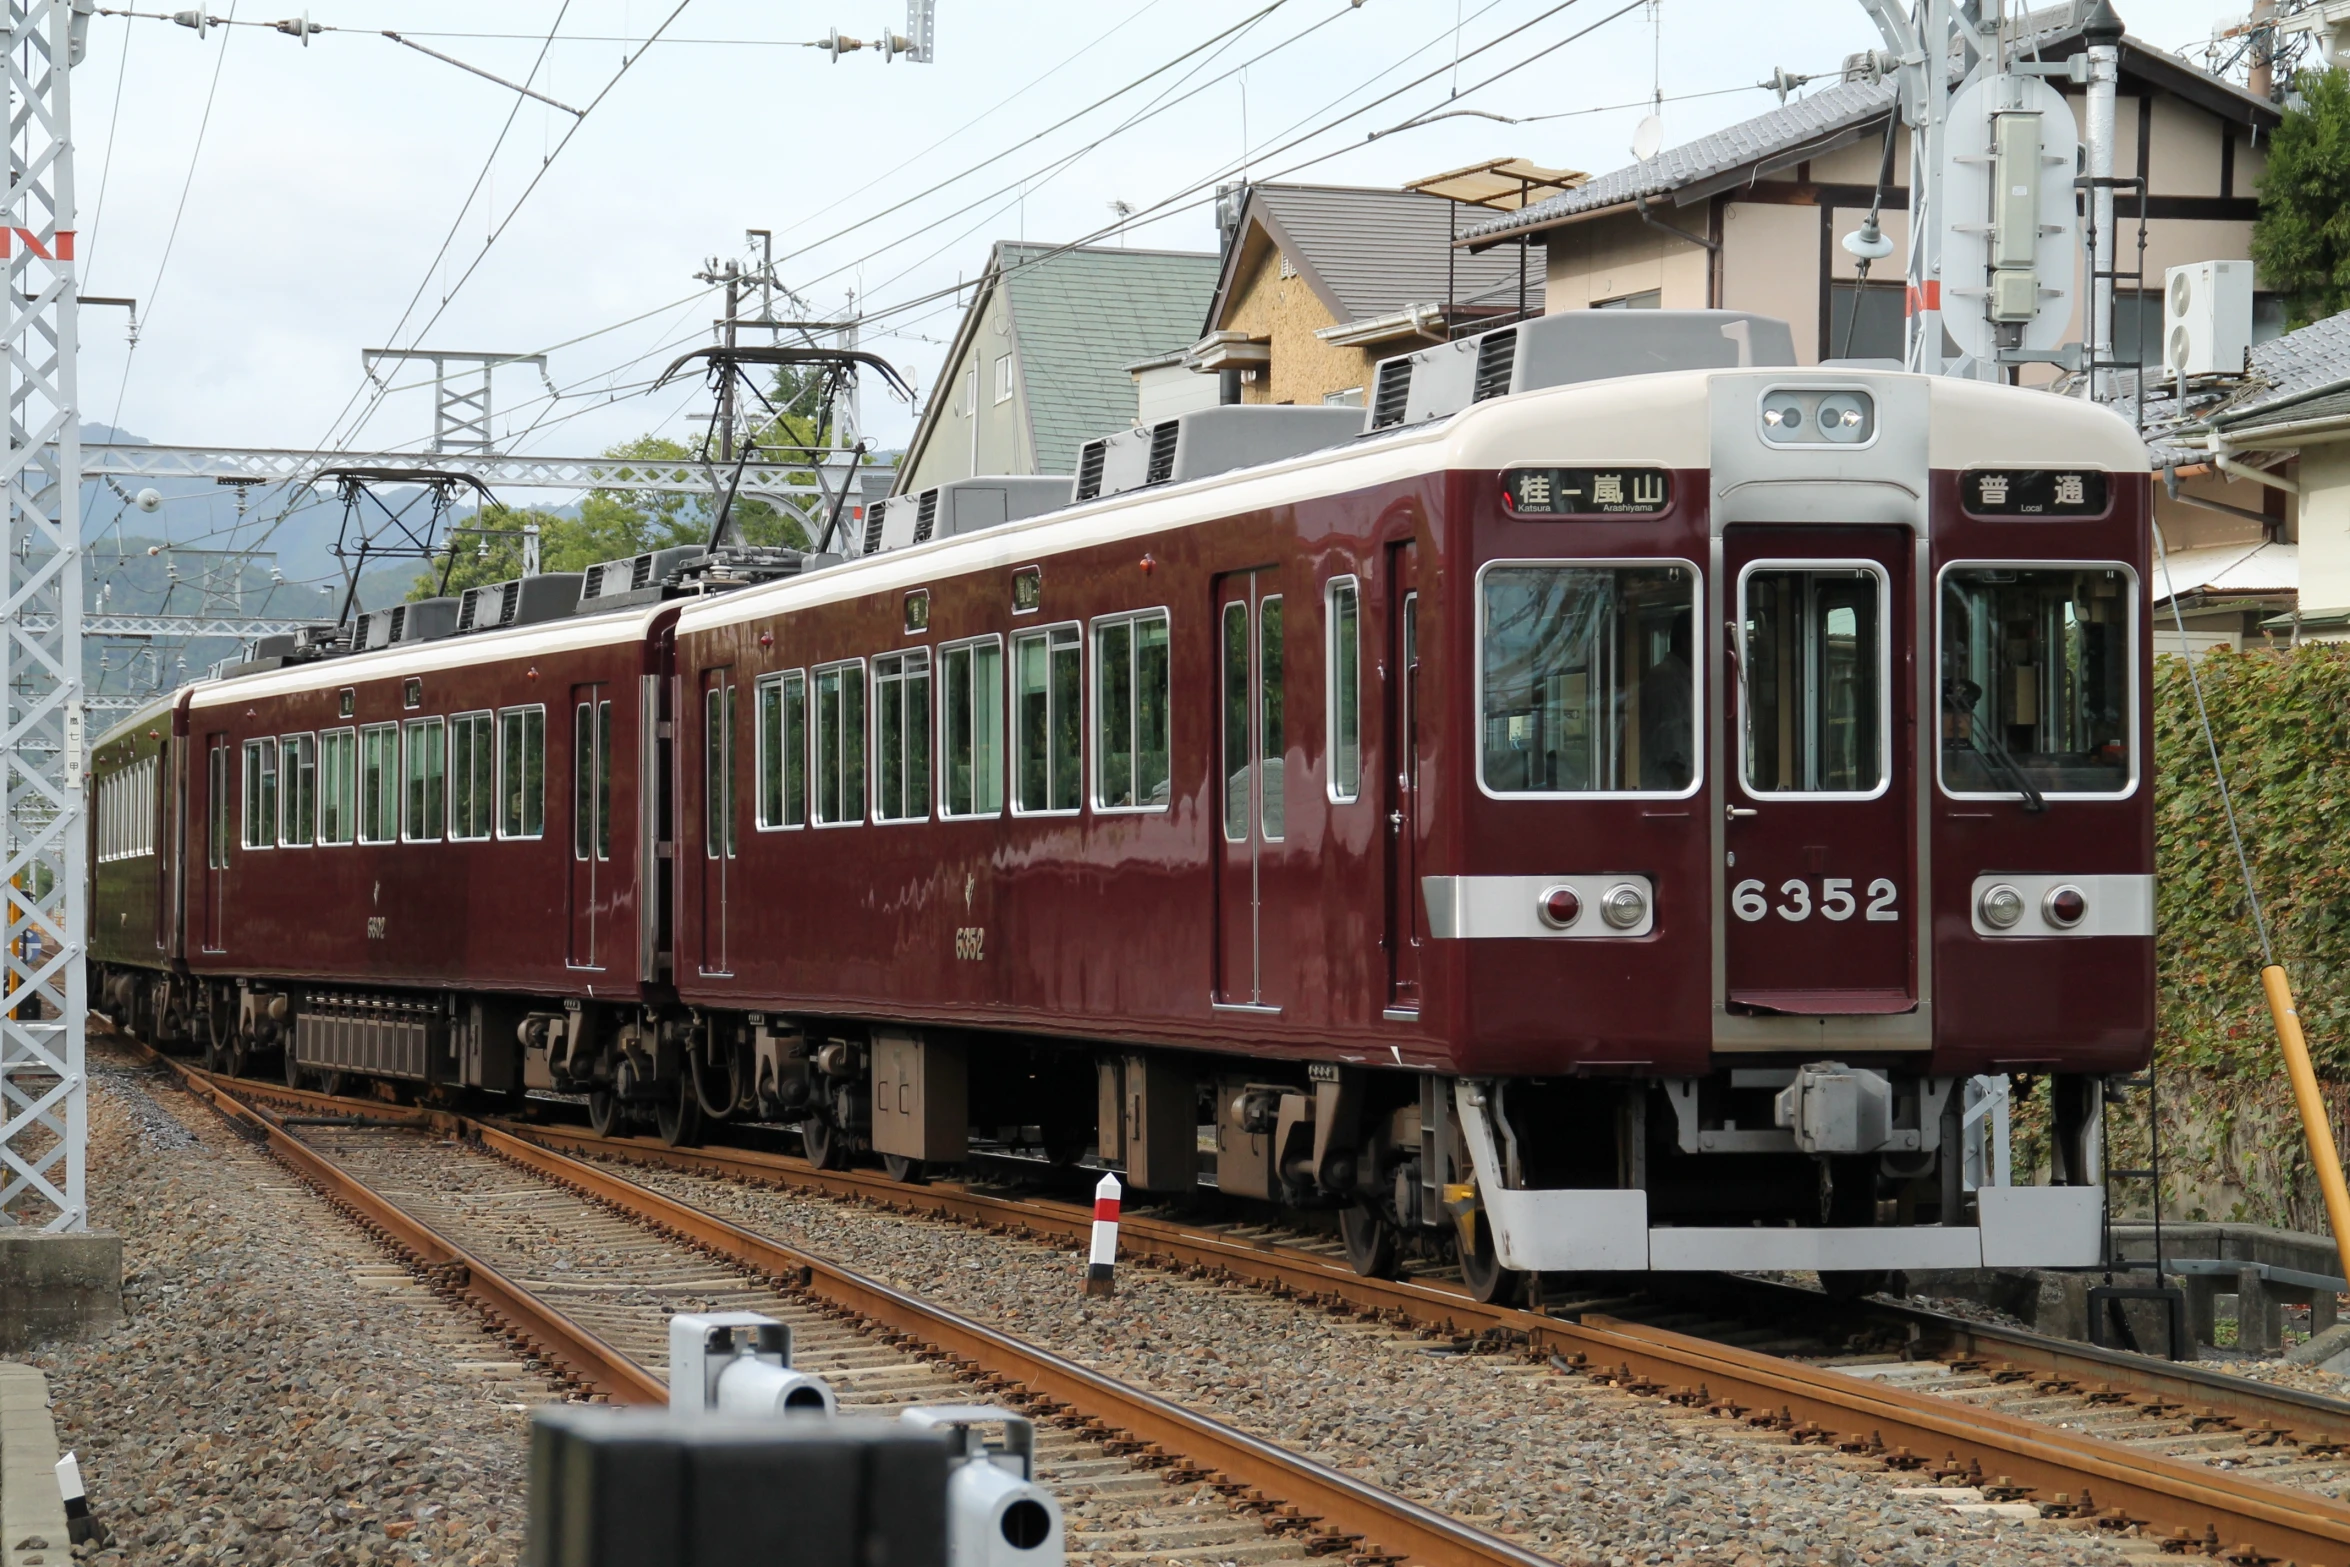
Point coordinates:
[[971, 943], [1798, 898]]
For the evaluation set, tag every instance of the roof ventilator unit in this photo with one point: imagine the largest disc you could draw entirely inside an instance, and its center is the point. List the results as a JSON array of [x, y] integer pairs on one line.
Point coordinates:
[[1576, 345], [964, 506], [1089, 468], [519, 601], [1209, 441], [425, 620], [874, 517], [925, 516], [636, 579]]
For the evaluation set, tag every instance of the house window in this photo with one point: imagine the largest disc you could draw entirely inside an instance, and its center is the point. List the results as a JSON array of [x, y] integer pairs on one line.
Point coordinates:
[[901, 729], [261, 794], [338, 757], [423, 800], [971, 729], [783, 750], [1875, 330], [1646, 299], [840, 745], [1344, 617], [472, 776], [1130, 695], [1047, 673], [1003, 378], [298, 780], [379, 783], [522, 772]]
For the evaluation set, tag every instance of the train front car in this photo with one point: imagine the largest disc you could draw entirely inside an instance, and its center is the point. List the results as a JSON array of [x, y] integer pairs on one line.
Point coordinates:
[[1783, 767]]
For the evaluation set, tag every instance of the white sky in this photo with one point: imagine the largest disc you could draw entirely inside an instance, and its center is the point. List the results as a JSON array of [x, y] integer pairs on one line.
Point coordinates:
[[327, 177]]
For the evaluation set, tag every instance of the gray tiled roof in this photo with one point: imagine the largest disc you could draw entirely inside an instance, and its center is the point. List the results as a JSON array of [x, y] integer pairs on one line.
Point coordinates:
[[1082, 316], [2285, 370], [1370, 252]]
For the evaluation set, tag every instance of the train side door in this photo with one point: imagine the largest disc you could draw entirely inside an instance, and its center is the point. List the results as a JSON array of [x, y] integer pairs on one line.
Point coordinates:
[[220, 822], [591, 819], [1821, 787], [1251, 812], [1406, 913], [718, 824]]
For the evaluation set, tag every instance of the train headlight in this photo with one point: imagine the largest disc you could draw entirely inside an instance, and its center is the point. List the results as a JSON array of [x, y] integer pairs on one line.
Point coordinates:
[[2001, 906], [1559, 907], [1844, 417], [1782, 417], [2064, 907], [1623, 906]]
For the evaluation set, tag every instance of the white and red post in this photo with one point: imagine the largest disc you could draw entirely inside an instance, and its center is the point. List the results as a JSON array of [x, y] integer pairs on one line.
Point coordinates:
[[1101, 1264]]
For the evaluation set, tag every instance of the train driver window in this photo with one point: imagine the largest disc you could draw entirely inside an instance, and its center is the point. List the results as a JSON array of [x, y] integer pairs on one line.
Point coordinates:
[[1342, 613], [1047, 712], [783, 750], [1131, 699], [901, 725], [522, 772], [298, 782], [1587, 678], [338, 771], [2036, 691], [1812, 667], [425, 776], [379, 783], [472, 776], [971, 728], [261, 794], [840, 745]]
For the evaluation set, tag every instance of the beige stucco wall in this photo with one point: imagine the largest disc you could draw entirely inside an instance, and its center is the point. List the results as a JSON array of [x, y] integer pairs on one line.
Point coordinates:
[[1857, 164], [1607, 258], [1287, 311], [976, 434], [2325, 527], [1771, 266], [2187, 527]]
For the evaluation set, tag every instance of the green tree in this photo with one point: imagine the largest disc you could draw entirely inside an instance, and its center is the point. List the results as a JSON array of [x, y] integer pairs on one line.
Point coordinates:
[[2301, 243]]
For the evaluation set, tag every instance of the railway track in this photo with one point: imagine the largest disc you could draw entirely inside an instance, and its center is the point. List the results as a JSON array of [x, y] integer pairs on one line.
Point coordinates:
[[2153, 1457]]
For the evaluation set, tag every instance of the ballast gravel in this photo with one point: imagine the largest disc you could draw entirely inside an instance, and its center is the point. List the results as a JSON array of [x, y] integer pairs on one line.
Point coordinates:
[[279, 1391], [1580, 1473]]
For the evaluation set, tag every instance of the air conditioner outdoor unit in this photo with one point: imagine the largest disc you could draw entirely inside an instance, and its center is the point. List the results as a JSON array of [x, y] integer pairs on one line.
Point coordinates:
[[2206, 318]]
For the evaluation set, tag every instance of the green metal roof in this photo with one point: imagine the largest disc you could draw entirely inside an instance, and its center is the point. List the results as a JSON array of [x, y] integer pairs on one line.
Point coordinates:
[[1080, 318]]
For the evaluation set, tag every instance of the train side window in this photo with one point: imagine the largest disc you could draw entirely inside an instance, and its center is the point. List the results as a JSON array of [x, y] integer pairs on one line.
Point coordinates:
[[1131, 699], [424, 798], [472, 776], [583, 781], [840, 745], [522, 772], [261, 794], [783, 751], [1343, 616], [971, 728], [338, 775], [1585, 679], [379, 783], [603, 780], [1047, 673], [218, 785], [298, 781], [2037, 680], [1272, 709], [1814, 677], [718, 830], [901, 725]]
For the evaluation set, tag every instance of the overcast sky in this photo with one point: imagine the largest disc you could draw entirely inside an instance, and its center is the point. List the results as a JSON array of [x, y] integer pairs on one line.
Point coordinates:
[[275, 208]]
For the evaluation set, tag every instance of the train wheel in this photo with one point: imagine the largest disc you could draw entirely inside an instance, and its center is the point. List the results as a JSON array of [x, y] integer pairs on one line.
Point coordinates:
[[901, 1168], [825, 1148], [1370, 1241], [1487, 1279], [296, 1077], [679, 1120], [603, 1111]]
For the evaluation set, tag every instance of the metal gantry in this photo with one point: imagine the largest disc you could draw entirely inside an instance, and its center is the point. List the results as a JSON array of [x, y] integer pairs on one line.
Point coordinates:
[[43, 1006], [767, 480]]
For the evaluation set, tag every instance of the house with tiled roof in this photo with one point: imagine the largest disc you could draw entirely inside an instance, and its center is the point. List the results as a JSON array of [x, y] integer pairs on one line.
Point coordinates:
[[1038, 365]]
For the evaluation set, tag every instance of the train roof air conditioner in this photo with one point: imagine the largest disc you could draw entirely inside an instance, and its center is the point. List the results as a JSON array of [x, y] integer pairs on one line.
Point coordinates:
[[519, 601], [634, 579], [962, 506], [1576, 345], [422, 621], [1209, 441]]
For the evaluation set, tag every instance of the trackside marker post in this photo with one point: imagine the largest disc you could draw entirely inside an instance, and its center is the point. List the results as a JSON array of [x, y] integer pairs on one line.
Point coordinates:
[[1101, 1264]]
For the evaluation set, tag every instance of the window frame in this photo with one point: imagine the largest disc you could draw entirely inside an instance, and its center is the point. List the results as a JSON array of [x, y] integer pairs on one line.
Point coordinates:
[[903, 660], [1886, 754], [721, 831], [253, 770], [523, 710], [308, 740], [487, 718], [1091, 756], [938, 749], [438, 751], [2136, 695], [359, 785], [1003, 376], [1697, 667], [350, 812], [816, 673], [1044, 634], [1351, 584], [780, 682]]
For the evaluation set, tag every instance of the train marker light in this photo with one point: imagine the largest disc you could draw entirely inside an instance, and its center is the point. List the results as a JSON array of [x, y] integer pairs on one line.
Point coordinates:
[[1622, 906], [2002, 906], [1560, 907], [2064, 907]]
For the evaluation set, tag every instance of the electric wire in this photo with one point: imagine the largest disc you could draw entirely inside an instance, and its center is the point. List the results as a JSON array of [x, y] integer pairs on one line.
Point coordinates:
[[106, 166]]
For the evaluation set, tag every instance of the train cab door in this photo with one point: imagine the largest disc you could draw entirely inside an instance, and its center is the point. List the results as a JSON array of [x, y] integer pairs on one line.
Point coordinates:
[[1820, 762], [219, 823], [1406, 914], [719, 838], [1252, 815], [592, 875]]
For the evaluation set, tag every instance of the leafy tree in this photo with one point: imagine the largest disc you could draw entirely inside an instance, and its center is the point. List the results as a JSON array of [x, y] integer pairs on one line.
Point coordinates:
[[2301, 243]]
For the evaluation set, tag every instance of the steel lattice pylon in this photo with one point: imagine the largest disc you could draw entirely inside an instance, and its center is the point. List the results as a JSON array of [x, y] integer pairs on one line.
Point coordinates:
[[43, 1004]]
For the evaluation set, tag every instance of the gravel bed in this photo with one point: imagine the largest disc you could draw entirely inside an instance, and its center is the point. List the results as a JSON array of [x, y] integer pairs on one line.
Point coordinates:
[[1577, 1472], [279, 1390]]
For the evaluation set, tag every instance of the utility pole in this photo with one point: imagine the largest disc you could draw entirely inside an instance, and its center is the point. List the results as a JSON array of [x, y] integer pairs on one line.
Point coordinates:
[[2102, 34], [460, 412], [731, 274], [44, 1103]]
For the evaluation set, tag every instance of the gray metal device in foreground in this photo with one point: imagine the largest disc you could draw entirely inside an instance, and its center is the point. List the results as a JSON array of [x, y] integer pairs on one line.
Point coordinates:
[[43, 1007]]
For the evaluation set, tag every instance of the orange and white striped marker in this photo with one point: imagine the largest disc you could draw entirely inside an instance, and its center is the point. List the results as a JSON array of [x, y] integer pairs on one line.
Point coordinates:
[[1101, 1264]]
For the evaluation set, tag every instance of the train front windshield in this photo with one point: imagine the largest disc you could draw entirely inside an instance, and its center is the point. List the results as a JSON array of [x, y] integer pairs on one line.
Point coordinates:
[[1587, 679], [2035, 680]]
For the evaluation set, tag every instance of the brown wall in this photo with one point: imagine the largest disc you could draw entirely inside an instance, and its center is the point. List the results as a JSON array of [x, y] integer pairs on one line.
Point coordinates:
[[1265, 304]]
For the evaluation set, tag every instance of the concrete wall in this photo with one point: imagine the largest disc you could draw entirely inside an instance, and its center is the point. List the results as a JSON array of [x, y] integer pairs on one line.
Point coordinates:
[[975, 432], [56, 1287], [1286, 310]]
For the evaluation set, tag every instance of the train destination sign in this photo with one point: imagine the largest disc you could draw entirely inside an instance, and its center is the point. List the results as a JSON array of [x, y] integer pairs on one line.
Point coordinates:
[[1586, 492], [2033, 492]]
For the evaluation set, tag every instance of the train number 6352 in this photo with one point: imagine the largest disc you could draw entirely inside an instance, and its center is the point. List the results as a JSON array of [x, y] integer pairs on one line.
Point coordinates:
[[1751, 901]]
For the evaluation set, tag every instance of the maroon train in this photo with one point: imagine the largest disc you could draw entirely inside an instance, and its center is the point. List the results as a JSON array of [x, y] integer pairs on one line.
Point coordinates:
[[1584, 824]]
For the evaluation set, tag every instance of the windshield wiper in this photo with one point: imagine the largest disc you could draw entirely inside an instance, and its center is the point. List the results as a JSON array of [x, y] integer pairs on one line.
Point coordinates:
[[2001, 762]]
